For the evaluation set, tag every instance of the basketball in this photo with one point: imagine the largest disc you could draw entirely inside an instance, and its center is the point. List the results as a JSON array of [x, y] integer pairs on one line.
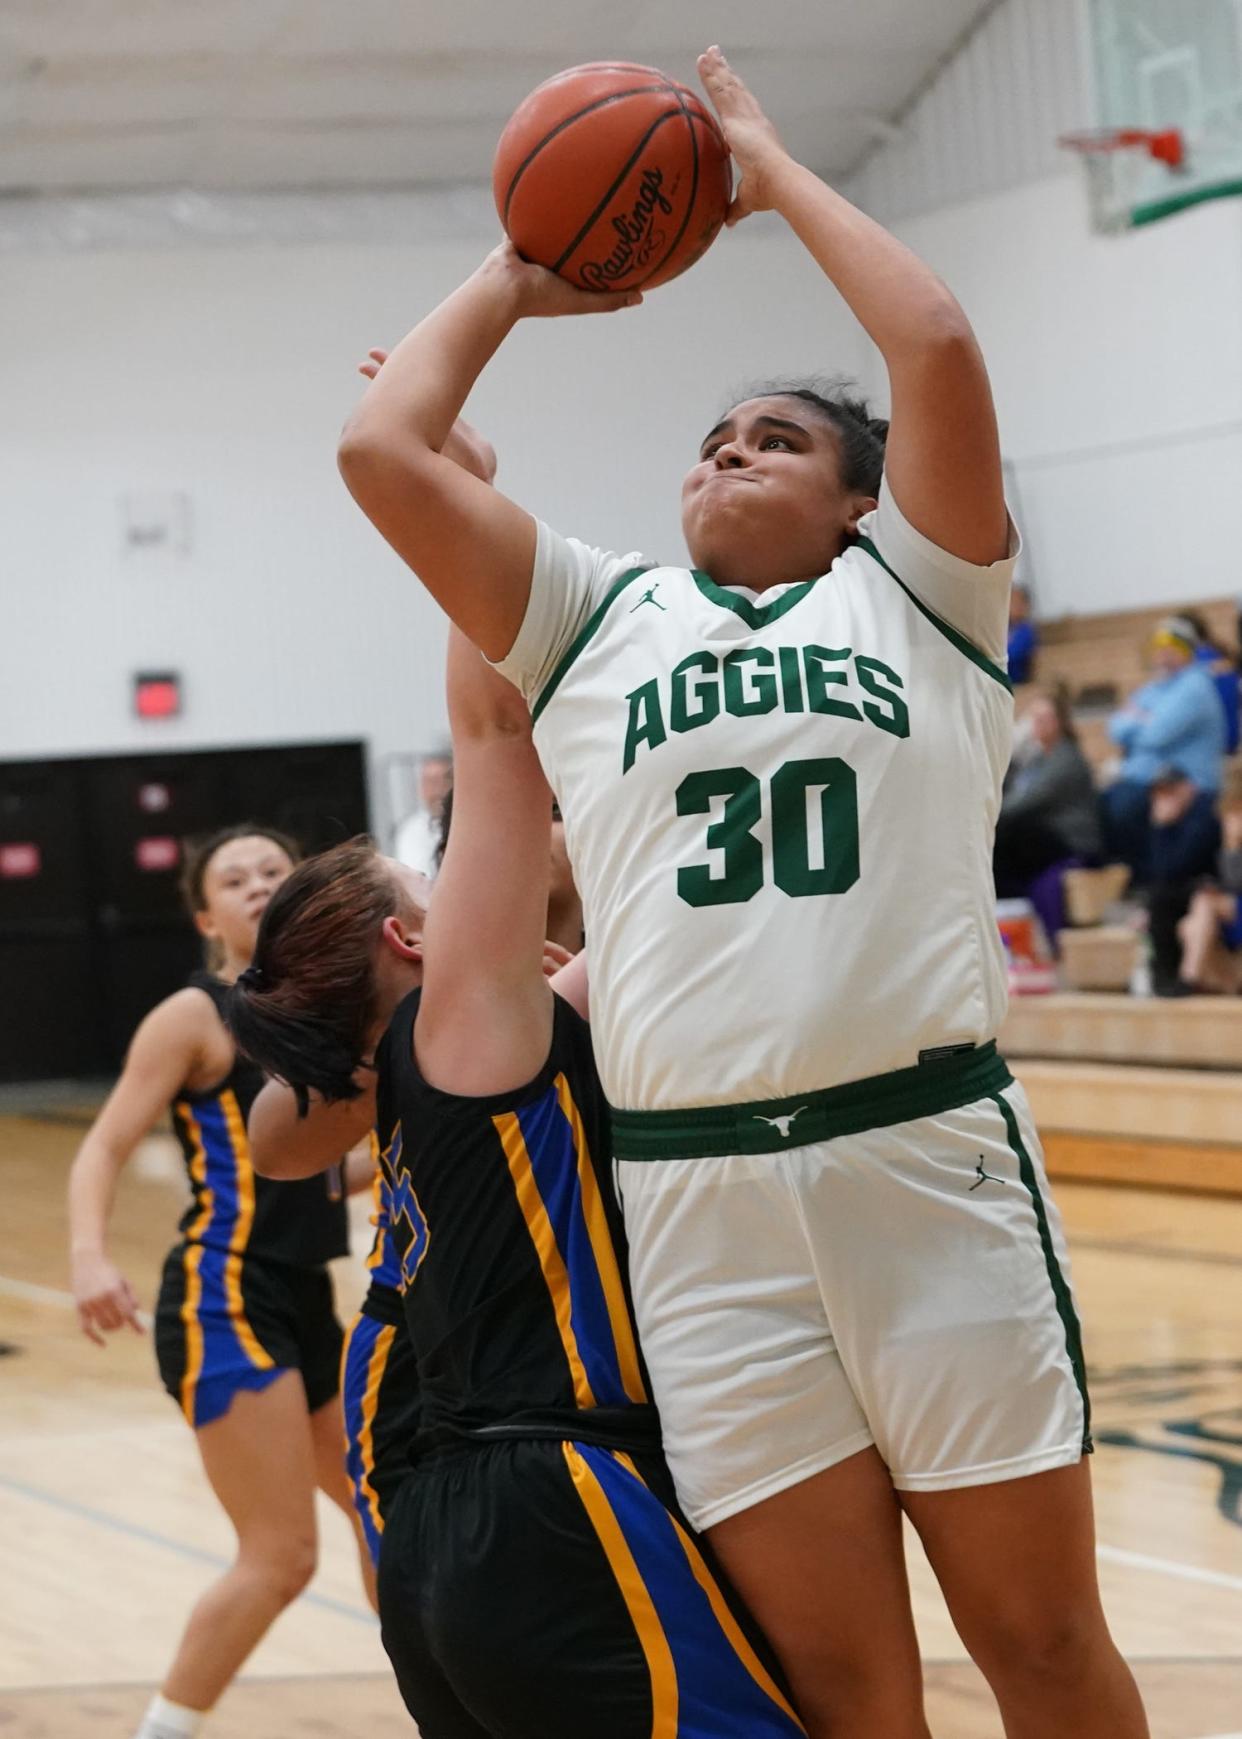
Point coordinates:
[[613, 175]]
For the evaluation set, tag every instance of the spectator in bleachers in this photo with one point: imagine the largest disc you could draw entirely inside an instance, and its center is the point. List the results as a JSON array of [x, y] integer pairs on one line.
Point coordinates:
[[1210, 935], [1172, 736], [1222, 666], [1049, 810], [1023, 636]]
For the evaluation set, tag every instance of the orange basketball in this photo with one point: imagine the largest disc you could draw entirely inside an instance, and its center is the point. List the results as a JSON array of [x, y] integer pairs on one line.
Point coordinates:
[[613, 175]]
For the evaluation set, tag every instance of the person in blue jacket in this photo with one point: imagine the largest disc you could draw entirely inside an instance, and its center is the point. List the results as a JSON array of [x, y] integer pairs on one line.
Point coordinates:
[[1175, 721], [1222, 666], [1023, 636]]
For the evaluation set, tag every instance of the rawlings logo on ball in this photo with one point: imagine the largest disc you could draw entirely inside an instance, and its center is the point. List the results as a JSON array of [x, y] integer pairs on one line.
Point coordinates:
[[639, 235], [612, 175]]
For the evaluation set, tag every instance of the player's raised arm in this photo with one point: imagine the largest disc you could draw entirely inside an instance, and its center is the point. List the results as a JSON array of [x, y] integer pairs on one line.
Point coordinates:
[[943, 461], [485, 1021], [471, 547], [284, 1144]]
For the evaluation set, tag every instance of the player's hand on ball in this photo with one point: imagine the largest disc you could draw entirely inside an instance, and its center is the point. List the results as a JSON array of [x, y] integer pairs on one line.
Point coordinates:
[[751, 137], [104, 1298], [542, 294]]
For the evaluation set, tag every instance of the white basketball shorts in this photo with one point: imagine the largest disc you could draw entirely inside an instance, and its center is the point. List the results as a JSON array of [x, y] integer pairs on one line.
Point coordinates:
[[905, 1285]]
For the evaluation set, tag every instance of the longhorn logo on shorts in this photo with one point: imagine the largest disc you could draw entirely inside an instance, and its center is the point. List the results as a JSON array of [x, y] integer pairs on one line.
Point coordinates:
[[782, 1125]]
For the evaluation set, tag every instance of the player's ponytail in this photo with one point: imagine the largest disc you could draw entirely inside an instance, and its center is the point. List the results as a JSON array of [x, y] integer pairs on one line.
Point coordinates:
[[305, 1008]]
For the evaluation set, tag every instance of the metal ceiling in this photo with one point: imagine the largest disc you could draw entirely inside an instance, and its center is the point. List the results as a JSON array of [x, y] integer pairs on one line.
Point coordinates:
[[340, 95]]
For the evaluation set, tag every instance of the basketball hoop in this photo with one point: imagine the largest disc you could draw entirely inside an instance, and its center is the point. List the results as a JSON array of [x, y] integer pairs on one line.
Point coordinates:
[[1114, 159]]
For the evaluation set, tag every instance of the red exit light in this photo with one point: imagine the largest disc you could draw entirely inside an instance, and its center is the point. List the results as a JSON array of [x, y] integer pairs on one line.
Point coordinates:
[[157, 696], [19, 860], [157, 852]]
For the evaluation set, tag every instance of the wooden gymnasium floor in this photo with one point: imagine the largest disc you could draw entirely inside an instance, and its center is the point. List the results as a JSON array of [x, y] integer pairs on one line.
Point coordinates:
[[106, 1531]]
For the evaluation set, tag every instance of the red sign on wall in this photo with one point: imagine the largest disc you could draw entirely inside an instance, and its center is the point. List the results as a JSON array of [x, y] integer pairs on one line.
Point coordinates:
[[20, 860], [157, 852], [157, 694]]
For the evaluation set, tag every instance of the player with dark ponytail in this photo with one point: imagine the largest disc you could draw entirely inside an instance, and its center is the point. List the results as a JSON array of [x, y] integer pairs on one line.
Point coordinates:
[[246, 1334], [536, 1578]]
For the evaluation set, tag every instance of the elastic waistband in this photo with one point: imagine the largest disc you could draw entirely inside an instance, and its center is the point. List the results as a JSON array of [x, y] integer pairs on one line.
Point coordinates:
[[776, 1125], [635, 1429], [382, 1304]]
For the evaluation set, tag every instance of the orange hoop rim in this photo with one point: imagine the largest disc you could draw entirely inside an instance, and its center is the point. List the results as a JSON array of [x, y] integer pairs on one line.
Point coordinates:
[[1164, 145]]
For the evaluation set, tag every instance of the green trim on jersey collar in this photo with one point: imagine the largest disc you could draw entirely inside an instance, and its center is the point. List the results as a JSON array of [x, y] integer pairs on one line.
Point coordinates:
[[940, 1083], [754, 615], [966, 647], [588, 632]]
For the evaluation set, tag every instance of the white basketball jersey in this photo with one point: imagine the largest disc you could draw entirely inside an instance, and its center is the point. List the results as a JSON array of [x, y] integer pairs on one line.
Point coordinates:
[[779, 809]]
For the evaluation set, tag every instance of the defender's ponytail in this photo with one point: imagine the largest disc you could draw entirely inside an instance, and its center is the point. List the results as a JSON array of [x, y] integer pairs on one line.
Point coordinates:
[[304, 1010]]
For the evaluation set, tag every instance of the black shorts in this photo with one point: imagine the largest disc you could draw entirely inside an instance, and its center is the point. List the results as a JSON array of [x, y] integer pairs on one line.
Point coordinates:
[[541, 1590], [227, 1322], [379, 1389]]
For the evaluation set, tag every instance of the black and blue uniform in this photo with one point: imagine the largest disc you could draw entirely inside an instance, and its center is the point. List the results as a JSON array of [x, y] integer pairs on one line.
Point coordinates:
[[246, 1293], [379, 1376], [538, 1580]]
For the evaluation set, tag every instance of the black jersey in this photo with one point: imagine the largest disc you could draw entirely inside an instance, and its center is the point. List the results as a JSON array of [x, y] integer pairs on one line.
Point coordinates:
[[232, 1208], [512, 1250]]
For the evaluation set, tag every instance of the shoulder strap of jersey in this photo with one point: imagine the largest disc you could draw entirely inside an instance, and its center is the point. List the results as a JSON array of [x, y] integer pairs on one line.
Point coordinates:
[[216, 989], [584, 636], [966, 647]]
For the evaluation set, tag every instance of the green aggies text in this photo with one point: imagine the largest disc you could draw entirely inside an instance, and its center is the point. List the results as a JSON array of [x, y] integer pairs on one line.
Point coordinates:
[[758, 679]]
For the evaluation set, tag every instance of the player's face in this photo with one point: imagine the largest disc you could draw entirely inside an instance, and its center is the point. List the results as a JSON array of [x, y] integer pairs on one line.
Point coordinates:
[[1044, 723], [434, 778], [1169, 656], [238, 882], [764, 503]]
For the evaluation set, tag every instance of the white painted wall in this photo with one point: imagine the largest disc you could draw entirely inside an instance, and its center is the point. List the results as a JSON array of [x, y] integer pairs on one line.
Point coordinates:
[[991, 117], [227, 372], [1117, 361], [224, 368]]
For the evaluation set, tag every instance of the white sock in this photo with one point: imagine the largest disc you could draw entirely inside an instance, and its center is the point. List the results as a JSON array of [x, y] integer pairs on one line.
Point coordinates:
[[165, 1720]]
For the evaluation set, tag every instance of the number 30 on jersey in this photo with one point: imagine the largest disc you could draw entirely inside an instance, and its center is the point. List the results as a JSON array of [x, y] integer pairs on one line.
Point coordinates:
[[814, 814]]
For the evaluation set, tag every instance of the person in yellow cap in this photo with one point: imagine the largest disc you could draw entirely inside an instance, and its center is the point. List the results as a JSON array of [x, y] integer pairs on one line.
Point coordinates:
[[1171, 731]]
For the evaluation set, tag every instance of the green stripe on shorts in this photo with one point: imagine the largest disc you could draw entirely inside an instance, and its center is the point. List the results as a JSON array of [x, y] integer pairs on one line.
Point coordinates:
[[776, 1125], [1060, 1286]]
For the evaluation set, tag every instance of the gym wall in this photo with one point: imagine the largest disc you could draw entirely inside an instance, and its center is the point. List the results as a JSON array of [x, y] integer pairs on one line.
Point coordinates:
[[1117, 361], [225, 372]]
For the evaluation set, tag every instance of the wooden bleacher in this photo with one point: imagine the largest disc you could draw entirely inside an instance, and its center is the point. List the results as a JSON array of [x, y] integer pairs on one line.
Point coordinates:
[[1133, 1090], [1130, 1090], [1106, 654]]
